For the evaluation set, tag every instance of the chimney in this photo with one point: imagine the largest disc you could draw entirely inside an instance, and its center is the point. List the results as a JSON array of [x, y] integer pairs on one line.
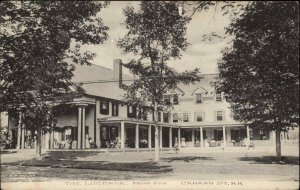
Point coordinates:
[[117, 68]]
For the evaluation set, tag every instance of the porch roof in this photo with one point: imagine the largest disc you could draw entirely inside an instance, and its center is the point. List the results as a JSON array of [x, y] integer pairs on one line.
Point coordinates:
[[131, 120], [209, 124]]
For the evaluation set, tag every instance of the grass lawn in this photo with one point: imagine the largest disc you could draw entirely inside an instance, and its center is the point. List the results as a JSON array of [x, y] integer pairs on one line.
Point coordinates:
[[92, 165]]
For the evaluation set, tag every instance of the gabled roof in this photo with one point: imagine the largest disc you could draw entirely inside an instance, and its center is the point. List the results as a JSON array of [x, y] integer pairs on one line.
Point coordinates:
[[207, 83], [175, 91], [199, 90], [111, 89]]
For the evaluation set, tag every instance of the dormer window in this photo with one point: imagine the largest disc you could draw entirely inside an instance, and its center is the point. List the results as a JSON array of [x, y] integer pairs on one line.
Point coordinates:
[[219, 97], [199, 98]]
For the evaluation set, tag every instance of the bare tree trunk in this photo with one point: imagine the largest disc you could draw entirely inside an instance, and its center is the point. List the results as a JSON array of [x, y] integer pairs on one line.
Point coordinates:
[[278, 145], [39, 142], [156, 132]]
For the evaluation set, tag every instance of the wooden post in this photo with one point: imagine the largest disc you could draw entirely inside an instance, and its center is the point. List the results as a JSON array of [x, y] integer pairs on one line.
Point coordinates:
[[170, 137], [160, 137], [79, 128], [23, 137], [179, 138], [19, 131], [83, 127], [98, 126], [137, 136], [193, 137], [224, 136], [122, 135], [248, 137], [149, 137], [201, 137]]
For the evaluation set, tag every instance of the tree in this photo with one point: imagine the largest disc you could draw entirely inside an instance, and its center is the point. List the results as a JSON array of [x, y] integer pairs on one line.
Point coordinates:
[[36, 40], [260, 72], [156, 35]]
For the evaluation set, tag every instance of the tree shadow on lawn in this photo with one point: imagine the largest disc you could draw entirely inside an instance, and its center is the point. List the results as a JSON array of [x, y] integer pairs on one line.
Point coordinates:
[[68, 155], [7, 152], [149, 167], [186, 158], [285, 160]]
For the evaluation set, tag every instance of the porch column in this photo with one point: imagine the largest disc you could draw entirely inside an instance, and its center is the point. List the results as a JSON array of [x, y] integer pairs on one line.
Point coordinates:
[[83, 127], [98, 126], [47, 138], [122, 135], [110, 108], [193, 137], [19, 131], [149, 137], [248, 136], [224, 136], [52, 137], [79, 128], [179, 138], [119, 132], [170, 137], [274, 140], [137, 136], [160, 137], [201, 137], [35, 139], [23, 137]]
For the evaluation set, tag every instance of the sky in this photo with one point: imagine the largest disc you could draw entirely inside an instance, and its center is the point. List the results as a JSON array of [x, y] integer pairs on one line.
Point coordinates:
[[200, 54]]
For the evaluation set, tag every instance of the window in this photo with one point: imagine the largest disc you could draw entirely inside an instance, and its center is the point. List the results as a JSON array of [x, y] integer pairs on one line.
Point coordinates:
[[63, 135], [198, 98], [104, 107], [218, 97], [115, 109], [263, 135], [144, 114], [175, 100], [131, 111], [185, 117], [220, 116], [167, 100], [159, 116], [175, 117], [199, 117], [218, 134], [166, 117]]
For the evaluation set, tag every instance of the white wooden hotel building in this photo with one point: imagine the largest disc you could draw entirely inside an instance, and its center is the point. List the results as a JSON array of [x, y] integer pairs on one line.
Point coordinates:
[[99, 119]]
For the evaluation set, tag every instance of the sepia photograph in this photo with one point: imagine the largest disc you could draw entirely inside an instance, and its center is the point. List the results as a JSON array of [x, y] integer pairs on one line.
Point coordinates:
[[182, 95]]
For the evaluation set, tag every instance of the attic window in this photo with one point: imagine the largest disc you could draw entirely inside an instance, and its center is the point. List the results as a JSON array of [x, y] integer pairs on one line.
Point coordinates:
[[218, 97], [199, 98]]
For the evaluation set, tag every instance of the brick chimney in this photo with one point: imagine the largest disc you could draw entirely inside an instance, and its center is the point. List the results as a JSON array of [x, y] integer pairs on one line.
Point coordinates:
[[117, 68]]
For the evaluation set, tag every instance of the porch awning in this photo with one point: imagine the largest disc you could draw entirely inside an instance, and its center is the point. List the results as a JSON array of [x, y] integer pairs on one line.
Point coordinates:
[[131, 120]]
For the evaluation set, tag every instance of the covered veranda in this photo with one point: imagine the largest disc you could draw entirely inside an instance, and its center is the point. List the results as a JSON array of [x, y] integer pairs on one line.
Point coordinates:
[[229, 135], [125, 133]]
